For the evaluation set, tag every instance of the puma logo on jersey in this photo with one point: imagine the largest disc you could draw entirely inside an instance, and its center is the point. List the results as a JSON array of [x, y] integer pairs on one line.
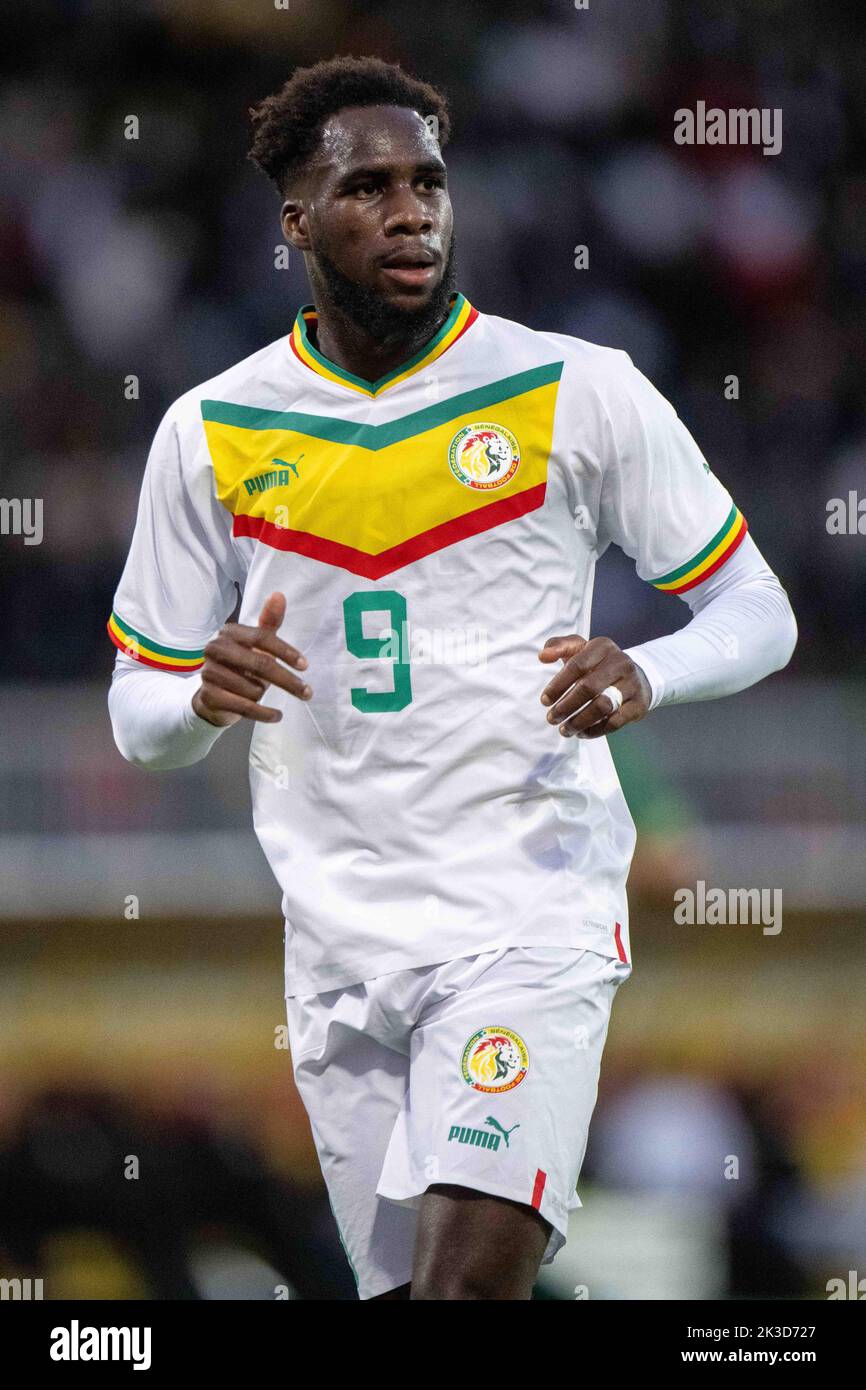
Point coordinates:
[[276, 477], [481, 1138], [504, 1132]]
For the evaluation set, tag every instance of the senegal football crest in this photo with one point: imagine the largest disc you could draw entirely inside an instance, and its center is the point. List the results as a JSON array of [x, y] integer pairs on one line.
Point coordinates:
[[494, 1059], [484, 456]]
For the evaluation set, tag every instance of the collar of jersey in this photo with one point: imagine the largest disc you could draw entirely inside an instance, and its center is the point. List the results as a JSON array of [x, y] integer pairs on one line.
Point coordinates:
[[460, 317]]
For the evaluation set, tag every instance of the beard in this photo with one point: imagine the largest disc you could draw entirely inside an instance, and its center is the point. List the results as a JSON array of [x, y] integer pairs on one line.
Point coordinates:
[[373, 313]]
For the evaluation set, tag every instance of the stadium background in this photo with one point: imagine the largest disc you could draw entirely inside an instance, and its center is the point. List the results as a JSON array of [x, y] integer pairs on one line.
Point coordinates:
[[154, 1035]]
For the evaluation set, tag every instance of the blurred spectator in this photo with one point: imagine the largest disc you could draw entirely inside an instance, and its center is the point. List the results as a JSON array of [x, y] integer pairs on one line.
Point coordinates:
[[65, 1167], [153, 258]]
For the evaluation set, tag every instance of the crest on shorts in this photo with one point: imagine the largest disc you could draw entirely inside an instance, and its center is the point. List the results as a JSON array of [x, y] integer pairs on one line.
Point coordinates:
[[484, 456], [494, 1059]]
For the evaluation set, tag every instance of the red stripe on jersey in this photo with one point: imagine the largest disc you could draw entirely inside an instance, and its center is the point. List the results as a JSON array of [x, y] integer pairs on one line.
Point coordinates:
[[473, 315], [617, 936], [406, 553], [538, 1188]]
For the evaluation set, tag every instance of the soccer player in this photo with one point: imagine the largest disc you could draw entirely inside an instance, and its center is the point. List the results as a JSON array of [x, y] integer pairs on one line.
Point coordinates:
[[411, 497]]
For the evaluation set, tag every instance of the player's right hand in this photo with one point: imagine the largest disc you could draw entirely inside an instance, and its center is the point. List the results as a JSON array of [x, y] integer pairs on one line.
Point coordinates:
[[239, 665]]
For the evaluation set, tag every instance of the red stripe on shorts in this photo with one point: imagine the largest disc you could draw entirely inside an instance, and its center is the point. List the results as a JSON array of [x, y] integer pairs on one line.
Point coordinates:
[[538, 1188], [618, 939]]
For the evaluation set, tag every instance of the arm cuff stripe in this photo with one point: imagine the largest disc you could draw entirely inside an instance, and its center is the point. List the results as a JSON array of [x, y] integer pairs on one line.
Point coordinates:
[[150, 653], [707, 561]]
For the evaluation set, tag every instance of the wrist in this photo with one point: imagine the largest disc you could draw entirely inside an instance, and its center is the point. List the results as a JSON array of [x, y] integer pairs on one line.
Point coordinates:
[[651, 673]]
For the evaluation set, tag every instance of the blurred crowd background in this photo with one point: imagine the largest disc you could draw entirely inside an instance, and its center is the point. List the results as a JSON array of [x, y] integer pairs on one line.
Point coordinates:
[[151, 1027]]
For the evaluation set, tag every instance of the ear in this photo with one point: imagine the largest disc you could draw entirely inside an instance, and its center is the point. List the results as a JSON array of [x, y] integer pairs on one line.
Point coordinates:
[[293, 220]]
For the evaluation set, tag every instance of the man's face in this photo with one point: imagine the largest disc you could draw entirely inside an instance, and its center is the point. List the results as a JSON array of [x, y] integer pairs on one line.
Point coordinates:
[[373, 206]]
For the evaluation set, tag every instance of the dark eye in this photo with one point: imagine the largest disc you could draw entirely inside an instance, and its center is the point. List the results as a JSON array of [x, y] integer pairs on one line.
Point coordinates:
[[365, 189], [431, 181]]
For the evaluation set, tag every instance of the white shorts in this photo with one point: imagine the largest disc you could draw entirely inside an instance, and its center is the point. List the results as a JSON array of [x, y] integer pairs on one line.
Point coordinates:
[[481, 1072]]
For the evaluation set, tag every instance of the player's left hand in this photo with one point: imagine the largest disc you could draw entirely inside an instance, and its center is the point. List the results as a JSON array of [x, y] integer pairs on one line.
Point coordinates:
[[589, 668]]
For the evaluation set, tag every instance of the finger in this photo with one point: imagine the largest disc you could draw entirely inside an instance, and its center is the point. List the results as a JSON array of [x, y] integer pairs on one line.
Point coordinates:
[[257, 652], [601, 708], [580, 696], [223, 701], [273, 611], [576, 663], [578, 702], [224, 678], [267, 640], [627, 715], [560, 648], [600, 657], [253, 662]]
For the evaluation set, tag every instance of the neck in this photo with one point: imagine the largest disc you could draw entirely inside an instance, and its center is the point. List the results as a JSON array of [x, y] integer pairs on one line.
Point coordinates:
[[347, 343]]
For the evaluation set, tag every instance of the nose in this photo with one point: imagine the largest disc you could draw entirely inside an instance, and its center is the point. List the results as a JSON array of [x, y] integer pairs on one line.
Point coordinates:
[[407, 214]]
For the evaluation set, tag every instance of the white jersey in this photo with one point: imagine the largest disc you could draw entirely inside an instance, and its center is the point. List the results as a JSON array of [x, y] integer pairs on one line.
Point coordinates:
[[430, 531]]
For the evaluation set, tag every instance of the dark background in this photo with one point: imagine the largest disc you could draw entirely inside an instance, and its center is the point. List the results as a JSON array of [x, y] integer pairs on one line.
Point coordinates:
[[150, 1029]]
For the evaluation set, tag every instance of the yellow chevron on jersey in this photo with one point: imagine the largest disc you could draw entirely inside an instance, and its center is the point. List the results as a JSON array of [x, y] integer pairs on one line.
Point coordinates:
[[373, 498]]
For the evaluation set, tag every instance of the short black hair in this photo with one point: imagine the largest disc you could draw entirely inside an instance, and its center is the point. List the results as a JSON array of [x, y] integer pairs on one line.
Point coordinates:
[[287, 125]]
